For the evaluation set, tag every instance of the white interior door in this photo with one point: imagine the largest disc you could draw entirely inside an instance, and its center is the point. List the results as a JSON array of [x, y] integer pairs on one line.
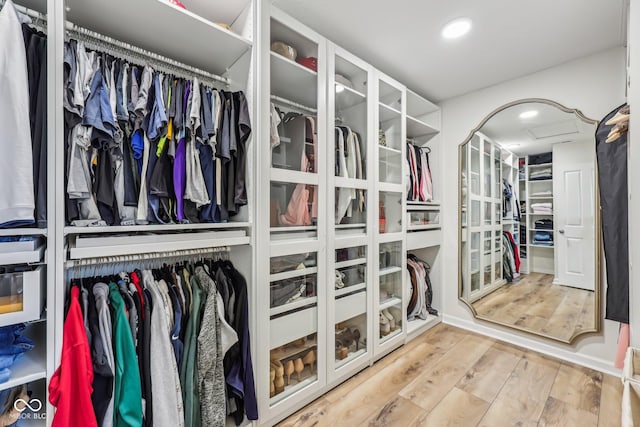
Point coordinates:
[[574, 209]]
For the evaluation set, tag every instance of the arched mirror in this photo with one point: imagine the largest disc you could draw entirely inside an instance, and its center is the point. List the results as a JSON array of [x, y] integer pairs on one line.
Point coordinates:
[[529, 224]]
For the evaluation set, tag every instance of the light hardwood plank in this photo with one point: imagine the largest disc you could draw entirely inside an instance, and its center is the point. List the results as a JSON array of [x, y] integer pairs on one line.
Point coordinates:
[[458, 408], [450, 371], [431, 385], [523, 397], [399, 412], [490, 372], [579, 387], [371, 395], [311, 415], [560, 414], [610, 402]]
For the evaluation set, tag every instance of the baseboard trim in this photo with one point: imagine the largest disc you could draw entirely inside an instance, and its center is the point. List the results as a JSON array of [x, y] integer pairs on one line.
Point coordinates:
[[605, 366]]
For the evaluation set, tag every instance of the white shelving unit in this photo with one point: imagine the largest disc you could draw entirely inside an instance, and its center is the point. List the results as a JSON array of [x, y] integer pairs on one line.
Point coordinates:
[[424, 235], [540, 258]]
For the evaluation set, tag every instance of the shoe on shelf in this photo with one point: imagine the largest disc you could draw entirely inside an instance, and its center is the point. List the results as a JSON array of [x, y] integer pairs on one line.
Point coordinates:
[[299, 367], [385, 329], [288, 370], [278, 382], [310, 359], [389, 316]]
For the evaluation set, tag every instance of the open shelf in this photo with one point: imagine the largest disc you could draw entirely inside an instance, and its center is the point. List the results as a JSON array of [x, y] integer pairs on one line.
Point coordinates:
[[211, 47], [293, 81], [389, 302], [419, 325], [533, 245], [30, 367], [299, 303], [417, 128], [349, 97], [153, 227], [23, 232]]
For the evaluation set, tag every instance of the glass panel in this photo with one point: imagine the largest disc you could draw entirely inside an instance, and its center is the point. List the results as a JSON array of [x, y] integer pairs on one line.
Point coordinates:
[[389, 95], [390, 212], [351, 213], [11, 293], [295, 138], [497, 214], [497, 267], [293, 366], [390, 151], [351, 151], [293, 208], [475, 252], [475, 213], [487, 242], [283, 264], [475, 282], [350, 339], [487, 269], [351, 269], [424, 219], [487, 213], [488, 183]]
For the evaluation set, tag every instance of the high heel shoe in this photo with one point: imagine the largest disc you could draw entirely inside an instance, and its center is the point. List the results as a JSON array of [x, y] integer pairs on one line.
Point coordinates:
[[385, 329], [299, 367], [272, 387], [392, 320], [356, 338], [288, 370], [310, 359], [278, 382]]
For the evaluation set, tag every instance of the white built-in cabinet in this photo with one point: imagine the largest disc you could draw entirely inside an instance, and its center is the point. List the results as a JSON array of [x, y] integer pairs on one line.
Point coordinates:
[[350, 254]]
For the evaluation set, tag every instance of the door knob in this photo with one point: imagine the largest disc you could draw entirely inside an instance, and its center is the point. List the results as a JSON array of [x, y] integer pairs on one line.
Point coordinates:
[[561, 231]]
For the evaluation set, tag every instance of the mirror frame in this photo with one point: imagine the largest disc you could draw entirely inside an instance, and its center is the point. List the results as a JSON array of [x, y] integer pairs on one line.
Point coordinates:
[[597, 223]]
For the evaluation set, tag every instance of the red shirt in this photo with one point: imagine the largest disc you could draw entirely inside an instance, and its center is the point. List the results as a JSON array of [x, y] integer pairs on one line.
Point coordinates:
[[70, 387]]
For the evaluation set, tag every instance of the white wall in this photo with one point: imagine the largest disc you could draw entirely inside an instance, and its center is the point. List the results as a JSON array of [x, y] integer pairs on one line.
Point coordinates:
[[595, 85]]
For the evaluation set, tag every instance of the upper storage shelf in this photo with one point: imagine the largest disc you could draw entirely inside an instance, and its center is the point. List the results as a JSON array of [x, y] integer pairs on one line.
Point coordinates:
[[168, 30]]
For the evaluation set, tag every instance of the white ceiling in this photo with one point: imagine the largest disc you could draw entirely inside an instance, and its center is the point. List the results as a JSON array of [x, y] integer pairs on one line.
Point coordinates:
[[509, 38], [538, 134]]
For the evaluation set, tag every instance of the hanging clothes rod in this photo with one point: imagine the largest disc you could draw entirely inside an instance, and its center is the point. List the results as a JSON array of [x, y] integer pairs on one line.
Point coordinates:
[[125, 47], [145, 54], [293, 104], [154, 256]]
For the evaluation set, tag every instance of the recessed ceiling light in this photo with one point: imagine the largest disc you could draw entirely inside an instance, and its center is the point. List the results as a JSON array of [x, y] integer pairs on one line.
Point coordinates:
[[456, 28], [339, 88], [528, 114]]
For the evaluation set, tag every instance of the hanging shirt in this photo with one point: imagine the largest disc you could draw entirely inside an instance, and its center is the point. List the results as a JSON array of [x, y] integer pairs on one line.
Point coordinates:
[[17, 202], [70, 386]]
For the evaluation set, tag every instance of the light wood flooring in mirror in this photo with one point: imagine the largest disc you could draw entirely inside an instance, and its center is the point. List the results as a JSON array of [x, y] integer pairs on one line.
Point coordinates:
[[536, 304], [451, 377]]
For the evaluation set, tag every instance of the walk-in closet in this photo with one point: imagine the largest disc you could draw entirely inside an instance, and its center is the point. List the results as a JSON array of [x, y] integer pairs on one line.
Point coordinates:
[[292, 213]]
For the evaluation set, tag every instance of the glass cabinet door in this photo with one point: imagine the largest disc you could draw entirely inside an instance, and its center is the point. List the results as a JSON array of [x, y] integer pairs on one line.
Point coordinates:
[[293, 292], [390, 137], [350, 314], [390, 305]]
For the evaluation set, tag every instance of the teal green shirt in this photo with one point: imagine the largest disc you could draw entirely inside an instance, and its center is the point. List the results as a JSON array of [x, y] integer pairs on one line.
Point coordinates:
[[127, 391]]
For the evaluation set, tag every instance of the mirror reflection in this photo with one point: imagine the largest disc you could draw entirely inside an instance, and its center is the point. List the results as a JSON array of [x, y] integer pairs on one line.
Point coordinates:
[[528, 223]]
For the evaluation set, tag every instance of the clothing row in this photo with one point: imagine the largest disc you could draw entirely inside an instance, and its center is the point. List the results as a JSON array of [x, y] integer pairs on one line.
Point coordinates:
[[420, 178], [509, 201], [147, 147], [165, 347], [420, 289], [23, 120], [510, 257], [542, 208], [302, 205], [13, 345], [350, 163]]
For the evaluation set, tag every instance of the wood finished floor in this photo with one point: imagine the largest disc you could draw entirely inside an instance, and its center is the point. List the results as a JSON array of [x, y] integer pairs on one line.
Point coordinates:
[[451, 377], [536, 304]]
